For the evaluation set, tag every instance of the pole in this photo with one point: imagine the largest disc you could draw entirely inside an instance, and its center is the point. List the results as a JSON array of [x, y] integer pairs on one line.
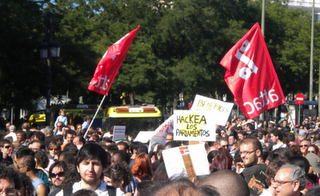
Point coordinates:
[[262, 16], [85, 135], [48, 38], [311, 57]]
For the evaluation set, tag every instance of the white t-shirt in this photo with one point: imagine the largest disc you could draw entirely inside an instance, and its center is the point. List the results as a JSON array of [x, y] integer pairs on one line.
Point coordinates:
[[276, 146], [100, 191]]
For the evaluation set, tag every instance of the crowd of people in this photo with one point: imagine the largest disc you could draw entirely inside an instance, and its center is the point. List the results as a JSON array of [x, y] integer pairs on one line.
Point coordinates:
[[248, 158]]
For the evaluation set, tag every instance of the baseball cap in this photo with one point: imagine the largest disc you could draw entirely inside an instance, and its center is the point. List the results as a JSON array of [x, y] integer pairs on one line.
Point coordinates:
[[303, 132], [314, 161]]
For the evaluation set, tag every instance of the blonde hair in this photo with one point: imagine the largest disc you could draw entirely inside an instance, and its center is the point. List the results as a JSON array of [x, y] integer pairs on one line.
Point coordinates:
[[62, 110]]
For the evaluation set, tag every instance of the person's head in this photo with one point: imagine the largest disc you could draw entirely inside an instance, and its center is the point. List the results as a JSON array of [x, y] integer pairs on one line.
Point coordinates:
[[304, 144], [22, 152], [272, 169], [37, 135], [232, 139], [57, 173], [250, 151], [21, 136], [94, 137], [62, 112], [48, 130], [59, 126], [69, 136], [26, 185], [26, 164], [12, 128], [300, 161], [302, 134], [5, 146], [84, 192], [313, 149], [289, 180], [54, 148], [79, 141], [169, 137], [242, 134], [119, 156], [220, 162], [212, 154], [118, 175], [87, 118], [91, 161], [112, 148], [41, 159], [232, 183], [123, 146], [183, 187], [36, 145], [223, 143], [276, 135], [9, 180], [141, 166]]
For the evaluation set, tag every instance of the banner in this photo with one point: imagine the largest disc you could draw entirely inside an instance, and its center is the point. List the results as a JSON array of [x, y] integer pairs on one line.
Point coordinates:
[[250, 75], [193, 126], [110, 63], [219, 109], [160, 133]]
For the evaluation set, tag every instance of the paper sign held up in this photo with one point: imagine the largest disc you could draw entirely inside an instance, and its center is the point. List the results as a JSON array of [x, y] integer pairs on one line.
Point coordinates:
[[193, 126], [220, 110], [119, 133]]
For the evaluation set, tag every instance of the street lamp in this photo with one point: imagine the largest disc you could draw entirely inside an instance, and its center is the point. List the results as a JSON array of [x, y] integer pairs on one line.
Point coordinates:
[[49, 49]]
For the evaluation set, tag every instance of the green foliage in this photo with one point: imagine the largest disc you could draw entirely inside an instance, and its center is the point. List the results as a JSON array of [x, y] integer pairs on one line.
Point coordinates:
[[178, 47]]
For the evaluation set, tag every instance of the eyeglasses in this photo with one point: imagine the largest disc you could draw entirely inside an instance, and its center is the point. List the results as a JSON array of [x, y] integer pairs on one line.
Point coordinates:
[[312, 152], [304, 145], [7, 147], [224, 146], [246, 152], [19, 167], [60, 174], [55, 149], [9, 192], [280, 183]]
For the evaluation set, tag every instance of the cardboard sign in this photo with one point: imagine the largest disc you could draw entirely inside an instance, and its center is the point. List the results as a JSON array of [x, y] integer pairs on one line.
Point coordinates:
[[186, 161], [219, 109], [119, 133], [144, 136], [193, 126]]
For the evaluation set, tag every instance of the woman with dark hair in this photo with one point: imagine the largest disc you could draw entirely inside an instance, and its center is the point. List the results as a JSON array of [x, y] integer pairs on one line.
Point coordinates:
[[141, 167], [220, 162], [42, 160], [54, 149], [160, 174], [312, 149], [27, 187], [118, 175]]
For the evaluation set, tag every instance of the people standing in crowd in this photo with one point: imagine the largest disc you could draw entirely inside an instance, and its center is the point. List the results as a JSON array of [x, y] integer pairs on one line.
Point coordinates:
[[86, 122], [5, 146]]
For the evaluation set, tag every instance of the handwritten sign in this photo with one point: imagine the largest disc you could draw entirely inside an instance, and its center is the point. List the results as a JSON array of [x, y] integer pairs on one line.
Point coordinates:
[[220, 110], [187, 161], [193, 126], [119, 133]]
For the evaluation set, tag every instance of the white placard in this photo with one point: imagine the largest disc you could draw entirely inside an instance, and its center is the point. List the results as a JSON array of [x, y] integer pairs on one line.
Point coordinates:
[[119, 132], [144, 136], [193, 126], [174, 163], [199, 159], [220, 110]]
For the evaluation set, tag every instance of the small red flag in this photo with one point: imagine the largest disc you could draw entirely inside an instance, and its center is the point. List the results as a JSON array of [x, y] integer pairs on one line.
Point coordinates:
[[110, 63], [250, 75]]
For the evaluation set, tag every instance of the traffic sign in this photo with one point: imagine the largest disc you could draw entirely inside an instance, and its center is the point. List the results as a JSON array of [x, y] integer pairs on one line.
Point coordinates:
[[299, 98]]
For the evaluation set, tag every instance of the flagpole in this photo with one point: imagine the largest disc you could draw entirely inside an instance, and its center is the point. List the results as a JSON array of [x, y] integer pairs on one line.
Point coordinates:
[[292, 122], [85, 135]]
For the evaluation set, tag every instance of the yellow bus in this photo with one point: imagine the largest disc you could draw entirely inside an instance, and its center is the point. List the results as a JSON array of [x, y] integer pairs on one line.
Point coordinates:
[[135, 118]]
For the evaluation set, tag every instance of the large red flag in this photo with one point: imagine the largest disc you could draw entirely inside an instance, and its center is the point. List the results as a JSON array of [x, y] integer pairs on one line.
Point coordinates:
[[110, 63], [251, 76]]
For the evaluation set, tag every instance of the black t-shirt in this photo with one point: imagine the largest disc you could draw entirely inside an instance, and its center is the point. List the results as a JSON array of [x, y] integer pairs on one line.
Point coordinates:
[[8, 161], [255, 177]]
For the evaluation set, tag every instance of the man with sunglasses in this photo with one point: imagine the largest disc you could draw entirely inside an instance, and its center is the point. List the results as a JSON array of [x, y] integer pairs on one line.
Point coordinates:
[[57, 175], [5, 146], [304, 144], [58, 128]]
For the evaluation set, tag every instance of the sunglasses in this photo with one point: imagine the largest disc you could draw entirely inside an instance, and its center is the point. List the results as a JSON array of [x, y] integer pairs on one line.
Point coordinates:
[[304, 145], [55, 149], [7, 147], [60, 174], [311, 152]]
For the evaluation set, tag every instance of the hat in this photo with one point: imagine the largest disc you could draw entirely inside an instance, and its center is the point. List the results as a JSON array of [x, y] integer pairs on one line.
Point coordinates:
[[314, 161], [296, 126], [303, 132], [12, 128]]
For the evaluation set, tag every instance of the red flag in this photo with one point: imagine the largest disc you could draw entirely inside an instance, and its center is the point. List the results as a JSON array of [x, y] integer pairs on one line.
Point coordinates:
[[110, 63], [251, 76]]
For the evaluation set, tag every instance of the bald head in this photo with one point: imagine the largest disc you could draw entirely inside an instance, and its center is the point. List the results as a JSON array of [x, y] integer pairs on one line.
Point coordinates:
[[231, 185]]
